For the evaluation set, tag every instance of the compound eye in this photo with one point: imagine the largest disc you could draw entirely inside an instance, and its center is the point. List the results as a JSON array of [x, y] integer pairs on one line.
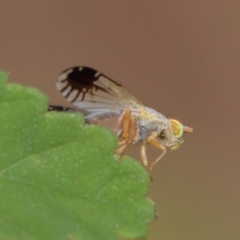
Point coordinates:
[[177, 128]]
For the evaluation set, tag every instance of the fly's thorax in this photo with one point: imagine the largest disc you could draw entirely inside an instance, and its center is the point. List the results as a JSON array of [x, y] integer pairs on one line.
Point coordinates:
[[150, 123]]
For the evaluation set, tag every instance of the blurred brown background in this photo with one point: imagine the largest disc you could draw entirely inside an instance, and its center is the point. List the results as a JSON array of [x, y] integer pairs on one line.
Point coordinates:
[[181, 58]]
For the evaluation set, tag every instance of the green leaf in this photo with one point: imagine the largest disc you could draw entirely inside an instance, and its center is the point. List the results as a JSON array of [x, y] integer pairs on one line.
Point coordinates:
[[60, 179]]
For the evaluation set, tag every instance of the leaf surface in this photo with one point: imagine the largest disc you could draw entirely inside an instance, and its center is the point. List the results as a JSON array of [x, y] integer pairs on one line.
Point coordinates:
[[60, 179]]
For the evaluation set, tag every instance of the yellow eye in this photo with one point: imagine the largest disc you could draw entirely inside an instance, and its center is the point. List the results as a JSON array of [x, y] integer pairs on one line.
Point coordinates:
[[177, 128]]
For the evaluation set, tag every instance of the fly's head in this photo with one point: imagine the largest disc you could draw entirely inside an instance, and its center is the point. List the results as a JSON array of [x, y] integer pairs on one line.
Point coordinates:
[[172, 136]]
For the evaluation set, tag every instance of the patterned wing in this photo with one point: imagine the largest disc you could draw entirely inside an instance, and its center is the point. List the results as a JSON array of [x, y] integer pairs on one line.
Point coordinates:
[[94, 92]]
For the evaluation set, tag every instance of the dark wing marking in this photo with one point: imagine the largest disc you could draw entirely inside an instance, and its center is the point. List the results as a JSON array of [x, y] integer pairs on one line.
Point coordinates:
[[60, 109], [91, 90]]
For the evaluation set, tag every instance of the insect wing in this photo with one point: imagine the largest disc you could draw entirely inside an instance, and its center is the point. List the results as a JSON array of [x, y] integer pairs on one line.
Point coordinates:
[[94, 92]]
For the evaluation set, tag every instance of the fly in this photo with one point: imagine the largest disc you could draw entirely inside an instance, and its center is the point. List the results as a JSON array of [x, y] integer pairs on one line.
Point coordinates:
[[105, 102]]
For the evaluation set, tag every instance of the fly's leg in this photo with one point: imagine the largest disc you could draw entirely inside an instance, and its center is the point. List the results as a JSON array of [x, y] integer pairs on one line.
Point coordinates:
[[123, 122], [121, 150], [131, 136], [119, 122], [132, 130], [126, 124], [144, 155], [154, 142], [129, 132]]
